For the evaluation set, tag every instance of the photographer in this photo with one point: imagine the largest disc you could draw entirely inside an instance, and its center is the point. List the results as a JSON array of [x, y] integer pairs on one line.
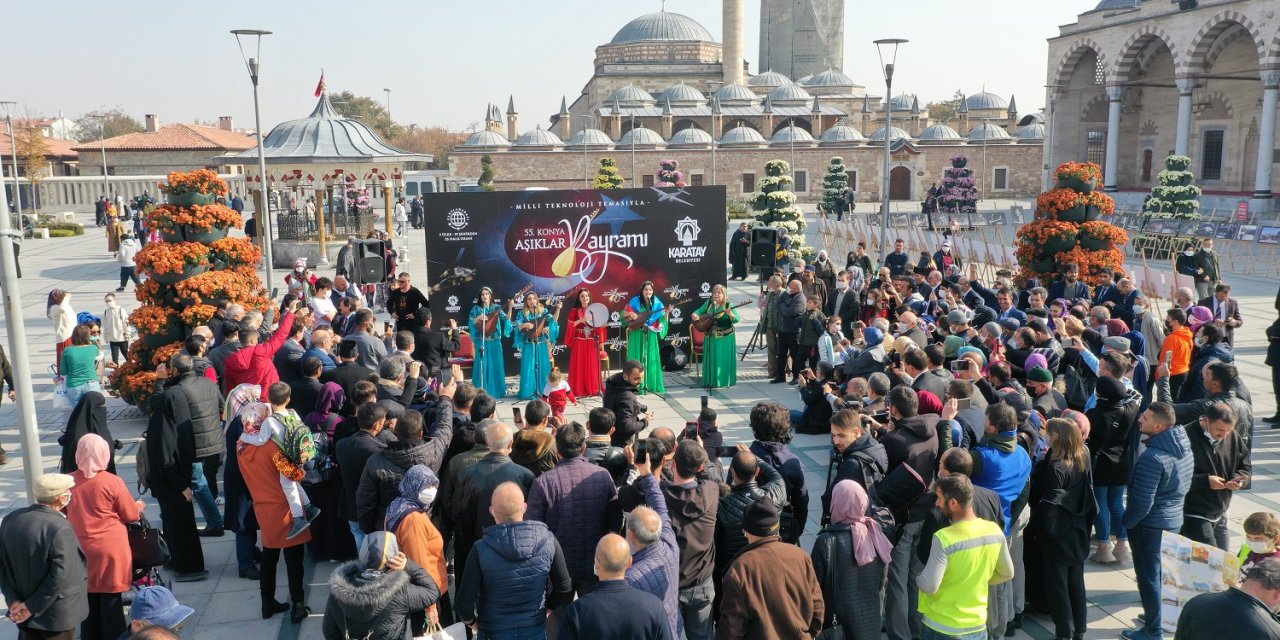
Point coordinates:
[[818, 392]]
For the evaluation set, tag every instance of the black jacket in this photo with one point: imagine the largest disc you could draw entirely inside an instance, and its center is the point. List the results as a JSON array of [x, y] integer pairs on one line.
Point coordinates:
[[514, 575], [206, 413], [934, 381], [612, 459], [1062, 511], [816, 418], [692, 510], [790, 309], [304, 393], [218, 355], [42, 566], [849, 307], [353, 453], [1228, 460], [849, 591], [473, 493], [617, 611], [89, 416], [729, 537], [1227, 614], [867, 362], [914, 442], [379, 605], [171, 448], [380, 482], [347, 374], [865, 462], [434, 348], [620, 398], [1110, 424], [288, 361]]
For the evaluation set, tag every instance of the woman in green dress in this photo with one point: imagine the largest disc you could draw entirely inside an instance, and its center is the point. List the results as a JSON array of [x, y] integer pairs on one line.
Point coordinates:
[[643, 342], [720, 348]]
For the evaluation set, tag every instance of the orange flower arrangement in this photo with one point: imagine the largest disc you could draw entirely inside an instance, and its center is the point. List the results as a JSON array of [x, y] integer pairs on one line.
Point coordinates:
[[162, 354], [1039, 232], [212, 285], [1105, 231], [257, 303], [235, 252], [1105, 203], [1059, 200], [152, 319], [133, 384], [1091, 261], [198, 181], [168, 217], [1086, 171], [198, 314], [171, 257]]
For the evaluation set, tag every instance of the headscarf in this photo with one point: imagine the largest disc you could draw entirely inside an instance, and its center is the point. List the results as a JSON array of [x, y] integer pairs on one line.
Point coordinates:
[[928, 403], [417, 478], [872, 336], [951, 345], [330, 401], [1036, 360], [92, 455], [849, 504], [1198, 316], [1116, 327], [88, 416], [857, 279], [903, 344], [254, 417], [239, 397]]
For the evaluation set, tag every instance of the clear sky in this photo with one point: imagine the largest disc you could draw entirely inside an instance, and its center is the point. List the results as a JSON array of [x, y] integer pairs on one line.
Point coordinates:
[[444, 60]]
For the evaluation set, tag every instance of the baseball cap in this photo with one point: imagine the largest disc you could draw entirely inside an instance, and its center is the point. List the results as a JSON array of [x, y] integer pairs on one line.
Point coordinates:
[[157, 606], [51, 485]]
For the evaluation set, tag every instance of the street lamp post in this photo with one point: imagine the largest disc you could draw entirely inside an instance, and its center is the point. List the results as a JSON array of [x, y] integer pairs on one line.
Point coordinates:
[[252, 65], [13, 143], [1050, 108], [102, 145], [633, 151], [892, 45], [388, 91]]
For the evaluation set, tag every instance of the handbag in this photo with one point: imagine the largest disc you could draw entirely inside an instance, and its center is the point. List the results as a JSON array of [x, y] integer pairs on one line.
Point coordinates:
[[455, 631], [147, 545], [60, 399]]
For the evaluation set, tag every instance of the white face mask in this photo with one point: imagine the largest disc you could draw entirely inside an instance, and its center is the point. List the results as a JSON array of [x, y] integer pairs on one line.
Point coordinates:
[[835, 329], [427, 496], [1138, 309], [903, 327], [797, 269], [1188, 253], [1208, 249], [1201, 342], [1261, 546], [842, 285]]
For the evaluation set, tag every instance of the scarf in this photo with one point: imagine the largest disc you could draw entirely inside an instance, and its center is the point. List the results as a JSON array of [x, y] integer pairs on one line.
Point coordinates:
[[257, 430], [240, 397], [327, 405], [849, 504], [92, 455], [417, 478]]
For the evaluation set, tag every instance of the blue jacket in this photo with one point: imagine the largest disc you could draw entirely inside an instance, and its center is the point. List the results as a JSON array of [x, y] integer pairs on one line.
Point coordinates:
[[574, 499], [1193, 388], [615, 610], [1160, 480], [325, 359], [655, 569], [515, 573], [1000, 465]]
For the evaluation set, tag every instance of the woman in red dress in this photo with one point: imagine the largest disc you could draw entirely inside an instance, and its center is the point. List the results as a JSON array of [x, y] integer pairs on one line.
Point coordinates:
[[586, 348]]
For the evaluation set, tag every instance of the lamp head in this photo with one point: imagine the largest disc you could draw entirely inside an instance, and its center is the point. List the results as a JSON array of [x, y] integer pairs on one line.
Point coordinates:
[[892, 45], [250, 32]]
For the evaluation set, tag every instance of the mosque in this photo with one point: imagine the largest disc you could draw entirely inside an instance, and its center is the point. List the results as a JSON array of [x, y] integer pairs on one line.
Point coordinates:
[[664, 88]]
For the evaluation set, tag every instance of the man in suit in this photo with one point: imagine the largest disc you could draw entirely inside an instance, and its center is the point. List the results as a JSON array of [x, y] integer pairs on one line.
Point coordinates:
[[1226, 311], [1069, 287], [844, 304], [434, 347], [288, 359], [305, 391], [347, 373], [1207, 272], [43, 574], [1106, 291], [1004, 299]]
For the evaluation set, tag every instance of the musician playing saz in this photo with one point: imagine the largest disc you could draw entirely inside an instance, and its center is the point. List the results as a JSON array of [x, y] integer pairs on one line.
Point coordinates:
[[535, 326], [643, 342], [488, 325], [720, 346]]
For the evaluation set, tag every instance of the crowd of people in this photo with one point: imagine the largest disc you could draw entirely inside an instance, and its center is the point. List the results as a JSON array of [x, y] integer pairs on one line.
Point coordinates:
[[988, 440]]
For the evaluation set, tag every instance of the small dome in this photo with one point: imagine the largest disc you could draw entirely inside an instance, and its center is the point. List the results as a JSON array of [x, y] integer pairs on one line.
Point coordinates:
[[683, 95], [902, 102], [590, 138], [939, 133], [632, 96], [985, 100], [1031, 118], [1033, 131], [736, 95], [539, 137], [486, 140], [803, 80], [791, 133], [691, 137], [768, 79], [790, 95], [640, 137], [828, 78], [898, 134], [1117, 4], [662, 25], [987, 131], [742, 137], [842, 134]]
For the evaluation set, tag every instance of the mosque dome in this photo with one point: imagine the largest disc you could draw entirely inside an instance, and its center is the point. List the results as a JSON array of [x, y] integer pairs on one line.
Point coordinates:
[[842, 134], [790, 95], [940, 133], [989, 132], [632, 96], [1031, 132], [898, 134], [768, 79], [691, 137], [985, 100], [539, 137], [1031, 118], [640, 137], [660, 26], [791, 134], [683, 95], [1117, 4], [486, 140], [736, 95], [742, 137], [589, 139], [903, 102], [828, 78]]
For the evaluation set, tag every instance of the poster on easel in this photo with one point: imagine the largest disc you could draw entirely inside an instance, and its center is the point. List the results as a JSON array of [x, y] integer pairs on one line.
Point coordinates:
[[1189, 569]]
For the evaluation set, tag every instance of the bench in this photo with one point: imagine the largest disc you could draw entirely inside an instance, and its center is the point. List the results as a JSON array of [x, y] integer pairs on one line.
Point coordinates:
[[65, 216], [41, 233]]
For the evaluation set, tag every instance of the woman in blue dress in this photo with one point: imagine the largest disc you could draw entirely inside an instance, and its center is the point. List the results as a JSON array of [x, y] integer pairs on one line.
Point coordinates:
[[534, 344], [644, 341], [490, 373]]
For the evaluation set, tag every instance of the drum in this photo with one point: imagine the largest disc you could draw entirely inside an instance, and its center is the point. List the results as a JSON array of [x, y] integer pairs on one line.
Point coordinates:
[[597, 315]]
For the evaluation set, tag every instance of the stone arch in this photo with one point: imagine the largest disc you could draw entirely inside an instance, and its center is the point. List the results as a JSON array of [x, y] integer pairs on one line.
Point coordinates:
[[801, 123], [685, 123], [1095, 110], [1203, 43], [1129, 56], [1218, 107], [1273, 56], [1075, 52]]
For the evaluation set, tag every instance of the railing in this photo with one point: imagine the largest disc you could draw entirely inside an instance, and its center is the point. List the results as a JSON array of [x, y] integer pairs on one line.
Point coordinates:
[[300, 227], [78, 193]]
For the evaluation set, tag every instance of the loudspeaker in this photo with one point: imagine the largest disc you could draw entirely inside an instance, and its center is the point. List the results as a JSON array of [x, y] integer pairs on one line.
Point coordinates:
[[764, 248], [371, 261]]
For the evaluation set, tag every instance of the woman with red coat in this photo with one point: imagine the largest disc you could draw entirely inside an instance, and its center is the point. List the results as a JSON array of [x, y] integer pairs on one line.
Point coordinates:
[[99, 511], [586, 348]]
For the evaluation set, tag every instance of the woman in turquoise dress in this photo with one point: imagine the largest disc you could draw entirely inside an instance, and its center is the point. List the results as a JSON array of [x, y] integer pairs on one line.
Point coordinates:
[[490, 373], [720, 347], [643, 343], [535, 351]]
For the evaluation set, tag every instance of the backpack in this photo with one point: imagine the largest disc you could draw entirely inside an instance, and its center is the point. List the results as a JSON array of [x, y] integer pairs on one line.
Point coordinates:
[[1033, 440], [1079, 387], [143, 466], [322, 467]]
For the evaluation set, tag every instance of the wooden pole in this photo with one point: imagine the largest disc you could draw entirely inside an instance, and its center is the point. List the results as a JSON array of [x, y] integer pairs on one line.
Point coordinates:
[[320, 194], [387, 193]]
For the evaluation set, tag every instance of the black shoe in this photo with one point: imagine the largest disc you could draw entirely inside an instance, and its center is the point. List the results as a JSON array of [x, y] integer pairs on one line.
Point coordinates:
[[195, 576], [1011, 629], [273, 607], [118, 290], [299, 613], [777, 381], [252, 573], [209, 532], [1273, 419], [794, 381]]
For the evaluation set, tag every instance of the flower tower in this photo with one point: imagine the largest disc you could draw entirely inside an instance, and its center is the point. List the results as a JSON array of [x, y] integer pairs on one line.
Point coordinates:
[[607, 177], [669, 174], [1069, 228], [834, 185], [959, 189], [775, 205], [192, 265], [1175, 198]]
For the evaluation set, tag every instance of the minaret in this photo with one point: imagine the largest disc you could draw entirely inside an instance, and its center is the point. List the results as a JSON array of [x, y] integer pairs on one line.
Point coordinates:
[[1013, 115], [915, 116], [866, 114], [815, 121], [767, 109], [734, 42], [717, 117], [667, 118], [565, 130], [963, 112], [513, 121]]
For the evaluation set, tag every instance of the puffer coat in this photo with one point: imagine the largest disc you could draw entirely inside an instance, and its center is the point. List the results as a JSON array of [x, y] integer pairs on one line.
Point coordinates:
[[376, 606]]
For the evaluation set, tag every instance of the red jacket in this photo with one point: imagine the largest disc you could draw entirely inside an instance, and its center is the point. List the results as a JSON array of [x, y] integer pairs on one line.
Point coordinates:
[[254, 365]]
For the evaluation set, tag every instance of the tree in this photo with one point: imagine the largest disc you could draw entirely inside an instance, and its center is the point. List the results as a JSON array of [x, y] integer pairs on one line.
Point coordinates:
[[835, 185], [89, 127], [946, 110], [607, 177], [486, 173], [436, 141], [33, 152], [366, 110], [777, 206]]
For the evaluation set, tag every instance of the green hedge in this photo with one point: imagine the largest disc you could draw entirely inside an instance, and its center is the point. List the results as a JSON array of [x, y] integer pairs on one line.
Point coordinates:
[[63, 233], [63, 229]]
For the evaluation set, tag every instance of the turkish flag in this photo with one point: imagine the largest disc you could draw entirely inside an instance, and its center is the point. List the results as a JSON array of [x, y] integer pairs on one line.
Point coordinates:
[[320, 85]]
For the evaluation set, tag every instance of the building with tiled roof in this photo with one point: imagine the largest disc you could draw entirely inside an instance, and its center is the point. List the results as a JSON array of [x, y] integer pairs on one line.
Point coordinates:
[[161, 149], [61, 156]]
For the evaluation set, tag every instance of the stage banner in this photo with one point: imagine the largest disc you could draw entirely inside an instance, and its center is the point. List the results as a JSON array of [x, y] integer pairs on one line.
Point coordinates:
[[554, 243]]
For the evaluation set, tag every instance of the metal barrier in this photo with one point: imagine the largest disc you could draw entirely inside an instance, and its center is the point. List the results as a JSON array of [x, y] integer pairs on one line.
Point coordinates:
[[299, 226]]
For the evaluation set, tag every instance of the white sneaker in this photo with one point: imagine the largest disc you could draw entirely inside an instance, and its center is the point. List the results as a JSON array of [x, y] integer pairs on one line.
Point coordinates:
[[220, 501], [1103, 555], [1122, 554]]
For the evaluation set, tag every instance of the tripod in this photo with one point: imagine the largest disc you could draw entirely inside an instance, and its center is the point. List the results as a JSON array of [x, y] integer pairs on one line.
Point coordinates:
[[757, 337]]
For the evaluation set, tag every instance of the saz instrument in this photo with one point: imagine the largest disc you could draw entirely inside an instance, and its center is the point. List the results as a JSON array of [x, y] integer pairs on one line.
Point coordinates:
[[540, 324], [643, 319], [704, 323], [489, 327]]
